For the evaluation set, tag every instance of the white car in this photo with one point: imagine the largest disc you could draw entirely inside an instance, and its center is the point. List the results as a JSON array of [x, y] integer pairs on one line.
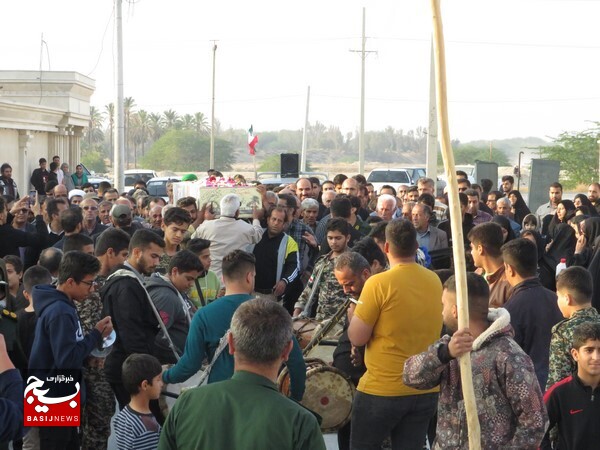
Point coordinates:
[[132, 175], [394, 177]]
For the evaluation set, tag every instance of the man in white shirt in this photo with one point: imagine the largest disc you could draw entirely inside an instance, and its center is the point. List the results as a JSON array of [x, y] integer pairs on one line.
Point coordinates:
[[227, 233]]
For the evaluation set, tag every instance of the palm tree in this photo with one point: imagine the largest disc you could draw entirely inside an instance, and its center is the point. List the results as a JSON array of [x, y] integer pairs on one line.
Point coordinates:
[[156, 123], [128, 105], [171, 119], [94, 131], [201, 123], [144, 123], [188, 122], [110, 111]]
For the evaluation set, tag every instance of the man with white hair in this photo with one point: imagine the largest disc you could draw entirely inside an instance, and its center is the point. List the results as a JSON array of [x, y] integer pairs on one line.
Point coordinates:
[[503, 207], [327, 198], [227, 233], [387, 208]]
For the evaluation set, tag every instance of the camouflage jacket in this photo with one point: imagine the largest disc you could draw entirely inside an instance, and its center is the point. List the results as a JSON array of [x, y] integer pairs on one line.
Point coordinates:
[[561, 361], [328, 292], [509, 400], [90, 310]]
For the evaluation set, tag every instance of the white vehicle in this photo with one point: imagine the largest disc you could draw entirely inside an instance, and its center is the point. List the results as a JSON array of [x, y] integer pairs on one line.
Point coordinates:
[[394, 177], [132, 175]]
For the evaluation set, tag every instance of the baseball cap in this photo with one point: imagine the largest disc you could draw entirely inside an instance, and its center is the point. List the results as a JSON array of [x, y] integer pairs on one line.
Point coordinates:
[[120, 212]]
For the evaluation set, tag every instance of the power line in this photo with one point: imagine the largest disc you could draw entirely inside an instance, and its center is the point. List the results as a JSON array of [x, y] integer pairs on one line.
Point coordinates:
[[102, 41]]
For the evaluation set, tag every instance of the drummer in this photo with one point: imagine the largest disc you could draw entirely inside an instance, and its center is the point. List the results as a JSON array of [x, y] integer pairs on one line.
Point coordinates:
[[351, 271], [322, 286]]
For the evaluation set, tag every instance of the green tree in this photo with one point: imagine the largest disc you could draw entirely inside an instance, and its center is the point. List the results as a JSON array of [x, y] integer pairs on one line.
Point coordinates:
[[578, 155], [186, 150], [94, 160]]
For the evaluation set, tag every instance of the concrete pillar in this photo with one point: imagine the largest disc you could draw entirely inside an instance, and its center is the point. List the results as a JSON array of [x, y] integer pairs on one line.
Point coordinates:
[[25, 138]]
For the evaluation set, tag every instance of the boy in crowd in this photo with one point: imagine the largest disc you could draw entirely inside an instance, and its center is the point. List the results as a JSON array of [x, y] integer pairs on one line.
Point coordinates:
[[328, 294], [207, 286], [26, 317], [168, 292], [570, 402], [136, 427], [175, 224], [574, 291]]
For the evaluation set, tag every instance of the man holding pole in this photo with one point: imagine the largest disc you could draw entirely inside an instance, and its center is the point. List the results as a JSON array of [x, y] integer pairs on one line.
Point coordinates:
[[509, 400], [398, 315]]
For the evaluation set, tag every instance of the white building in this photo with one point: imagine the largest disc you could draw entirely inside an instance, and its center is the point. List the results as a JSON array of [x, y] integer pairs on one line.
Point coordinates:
[[42, 114]]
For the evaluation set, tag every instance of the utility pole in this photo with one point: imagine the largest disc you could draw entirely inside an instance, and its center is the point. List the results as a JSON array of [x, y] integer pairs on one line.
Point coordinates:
[[361, 136], [119, 134], [212, 118], [432, 130], [303, 154]]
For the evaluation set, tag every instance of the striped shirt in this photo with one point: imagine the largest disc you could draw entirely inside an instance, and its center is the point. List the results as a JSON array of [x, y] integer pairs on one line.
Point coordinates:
[[136, 431]]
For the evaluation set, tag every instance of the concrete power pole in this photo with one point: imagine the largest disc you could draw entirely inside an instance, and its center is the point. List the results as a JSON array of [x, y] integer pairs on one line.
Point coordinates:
[[361, 135], [119, 134], [303, 155], [212, 118]]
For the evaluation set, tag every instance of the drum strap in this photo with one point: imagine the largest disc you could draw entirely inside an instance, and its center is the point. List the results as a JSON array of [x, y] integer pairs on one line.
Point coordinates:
[[218, 351], [311, 296], [199, 289]]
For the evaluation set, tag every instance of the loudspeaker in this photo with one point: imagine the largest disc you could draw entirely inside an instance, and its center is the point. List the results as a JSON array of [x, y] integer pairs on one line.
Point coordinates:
[[289, 165]]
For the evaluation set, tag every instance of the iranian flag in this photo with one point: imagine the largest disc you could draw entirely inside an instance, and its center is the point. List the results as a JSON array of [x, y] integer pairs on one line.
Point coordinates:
[[252, 141]]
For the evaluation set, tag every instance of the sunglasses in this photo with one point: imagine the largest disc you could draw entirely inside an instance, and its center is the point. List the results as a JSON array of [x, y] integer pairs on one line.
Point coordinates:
[[90, 208]]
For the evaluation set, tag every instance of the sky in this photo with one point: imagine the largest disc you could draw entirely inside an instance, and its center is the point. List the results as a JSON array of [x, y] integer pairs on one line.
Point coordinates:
[[515, 68]]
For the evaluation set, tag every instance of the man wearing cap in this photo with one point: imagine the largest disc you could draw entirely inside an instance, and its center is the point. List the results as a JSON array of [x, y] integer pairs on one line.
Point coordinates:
[[121, 217], [226, 233], [76, 196]]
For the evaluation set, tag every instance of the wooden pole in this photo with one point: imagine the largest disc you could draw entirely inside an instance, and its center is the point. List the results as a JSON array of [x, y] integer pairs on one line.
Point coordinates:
[[466, 374]]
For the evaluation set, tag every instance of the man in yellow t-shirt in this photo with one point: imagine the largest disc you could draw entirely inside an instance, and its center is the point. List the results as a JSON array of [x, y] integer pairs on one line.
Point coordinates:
[[399, 315]]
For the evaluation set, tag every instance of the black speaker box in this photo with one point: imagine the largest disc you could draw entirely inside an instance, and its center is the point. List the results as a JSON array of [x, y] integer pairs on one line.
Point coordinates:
[[289, 165]]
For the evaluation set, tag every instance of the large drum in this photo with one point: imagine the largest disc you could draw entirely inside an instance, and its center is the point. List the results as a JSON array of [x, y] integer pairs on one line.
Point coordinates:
[[323, 351], [304, 330], [328, 393]]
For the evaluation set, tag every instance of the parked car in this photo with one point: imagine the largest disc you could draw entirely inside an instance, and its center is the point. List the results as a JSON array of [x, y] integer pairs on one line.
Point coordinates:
[[157, 186], [395, 176], [133, 175], [272, 179]]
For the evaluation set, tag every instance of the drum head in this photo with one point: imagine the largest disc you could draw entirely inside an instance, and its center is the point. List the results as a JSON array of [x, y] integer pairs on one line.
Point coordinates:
[[329, 393]]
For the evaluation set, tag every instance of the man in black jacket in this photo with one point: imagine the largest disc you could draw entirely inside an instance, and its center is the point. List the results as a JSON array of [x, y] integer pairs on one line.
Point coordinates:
[[125, 299], [40, 177], [533, 308]]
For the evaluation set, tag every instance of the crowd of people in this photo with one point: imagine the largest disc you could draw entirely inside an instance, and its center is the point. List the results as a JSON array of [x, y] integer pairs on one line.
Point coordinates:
[[185, 293]]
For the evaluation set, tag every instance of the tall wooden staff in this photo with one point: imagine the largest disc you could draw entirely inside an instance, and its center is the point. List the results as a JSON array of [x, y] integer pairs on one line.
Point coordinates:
[[466, 374]]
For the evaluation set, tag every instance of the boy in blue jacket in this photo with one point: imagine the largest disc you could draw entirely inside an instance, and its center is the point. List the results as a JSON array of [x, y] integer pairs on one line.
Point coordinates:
[[59, 347]]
